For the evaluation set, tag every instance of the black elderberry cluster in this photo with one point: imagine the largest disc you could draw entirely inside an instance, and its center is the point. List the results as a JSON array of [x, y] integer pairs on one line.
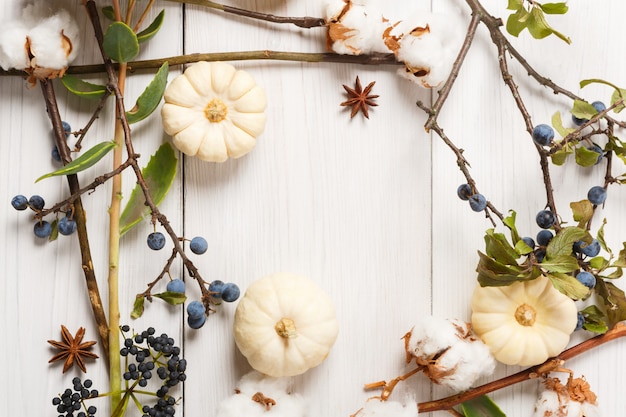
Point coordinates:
[[154, 354], [71, 402]]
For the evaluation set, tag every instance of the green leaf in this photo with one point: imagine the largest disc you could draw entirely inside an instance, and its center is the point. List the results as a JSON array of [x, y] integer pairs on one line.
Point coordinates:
[[599, 262], [492, 273], [82, 88], [509, 222], [86, 160], [586, 157], [159, 175], [108, 12], [595, 320], [150, 31], [601, 239], [583, 212], [149, 100], [522, 248], [173, 298], [562, 243], [537, 24], [583, 110], [614, 301], [568, 285], [621, 258], [54, 235], [138, 307], [617, 96], [481, 407], [560, 156], [554, 8], [499, 248], [515, 4], [557, 123], [561, 263], [516, 22], [120, 42]]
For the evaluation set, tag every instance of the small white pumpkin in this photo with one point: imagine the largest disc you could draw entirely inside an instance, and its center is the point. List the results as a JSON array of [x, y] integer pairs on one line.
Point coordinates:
[[214, 111], [524, 323], [285, 324]]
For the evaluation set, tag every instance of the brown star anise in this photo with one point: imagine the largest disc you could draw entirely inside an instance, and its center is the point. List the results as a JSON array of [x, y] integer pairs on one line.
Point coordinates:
[[360, 98], [72, 350]]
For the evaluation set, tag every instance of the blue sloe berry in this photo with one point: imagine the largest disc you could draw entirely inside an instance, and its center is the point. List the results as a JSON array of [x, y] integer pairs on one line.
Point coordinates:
[[545, 219], [540, 254], [580, 321], [156, 240], [587, 279], [599, 106], [529, 242], [36, 202], [195, 309], [597, 149], [216, 287], [176, 285], [544, 237], [66, 226], [597, 195], [55, 154], [464, 192], [578, 121], [592, 249], [543, 134], [478, 202], [230, 292], [198, 245], [196, 322], [19, 202], [42, 229]]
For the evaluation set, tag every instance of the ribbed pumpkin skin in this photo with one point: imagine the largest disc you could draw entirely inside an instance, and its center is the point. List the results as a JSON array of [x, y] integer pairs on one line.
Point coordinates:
[[493, 320], [285, 296]]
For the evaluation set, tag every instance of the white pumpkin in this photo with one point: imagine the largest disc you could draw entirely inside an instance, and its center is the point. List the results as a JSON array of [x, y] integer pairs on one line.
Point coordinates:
[[214, 111], [524, 323], [285, 324]]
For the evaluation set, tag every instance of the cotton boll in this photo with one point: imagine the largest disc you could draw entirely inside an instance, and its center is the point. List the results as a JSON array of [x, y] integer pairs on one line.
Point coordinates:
[[12, 46], [377, 408], [354, 28], [280, 402], [451, 353]]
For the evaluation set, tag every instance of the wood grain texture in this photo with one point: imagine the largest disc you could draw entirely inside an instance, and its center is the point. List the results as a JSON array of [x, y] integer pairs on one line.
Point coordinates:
[[366, 208]]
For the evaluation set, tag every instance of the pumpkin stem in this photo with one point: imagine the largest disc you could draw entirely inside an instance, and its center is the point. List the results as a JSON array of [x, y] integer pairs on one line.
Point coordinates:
[[286, 328], [216, 110], [525, 315]]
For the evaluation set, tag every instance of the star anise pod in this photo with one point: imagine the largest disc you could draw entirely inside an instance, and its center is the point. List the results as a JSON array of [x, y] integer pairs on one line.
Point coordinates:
[[72, 349], [360, 98]]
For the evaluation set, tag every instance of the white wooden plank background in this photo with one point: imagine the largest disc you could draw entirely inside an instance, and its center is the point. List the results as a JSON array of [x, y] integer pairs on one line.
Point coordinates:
[[366, 208]]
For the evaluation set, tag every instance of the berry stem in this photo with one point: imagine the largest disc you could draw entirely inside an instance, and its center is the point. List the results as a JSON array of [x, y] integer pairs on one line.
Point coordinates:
[[79, 216]]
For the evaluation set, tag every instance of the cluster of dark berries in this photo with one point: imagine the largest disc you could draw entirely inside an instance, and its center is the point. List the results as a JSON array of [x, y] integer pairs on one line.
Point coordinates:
[[55, 151], [72, 403], [151, 352], [477, 201], [42, 228], [196, 311], [162, 408]]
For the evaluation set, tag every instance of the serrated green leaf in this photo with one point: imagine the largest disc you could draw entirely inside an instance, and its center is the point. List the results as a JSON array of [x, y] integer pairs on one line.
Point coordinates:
[[557, 124], [481, 407], [515, 4], [595, 320], [537, 24], [562, 263], [509, 221], [499, 248], [599, 262], [149, 32], [120, 42], [583, 110], [149, 100], [159, 175], [601, 239], [582, 211], [614, 301], [617, 273], [586, 157], [173, 298], [108, 12], [562, 243], [138, 307], [568, 285], [621, 258], [618, 96], [554, 8], [86, 160], [82, 88], [516, 22], [492, 273]]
